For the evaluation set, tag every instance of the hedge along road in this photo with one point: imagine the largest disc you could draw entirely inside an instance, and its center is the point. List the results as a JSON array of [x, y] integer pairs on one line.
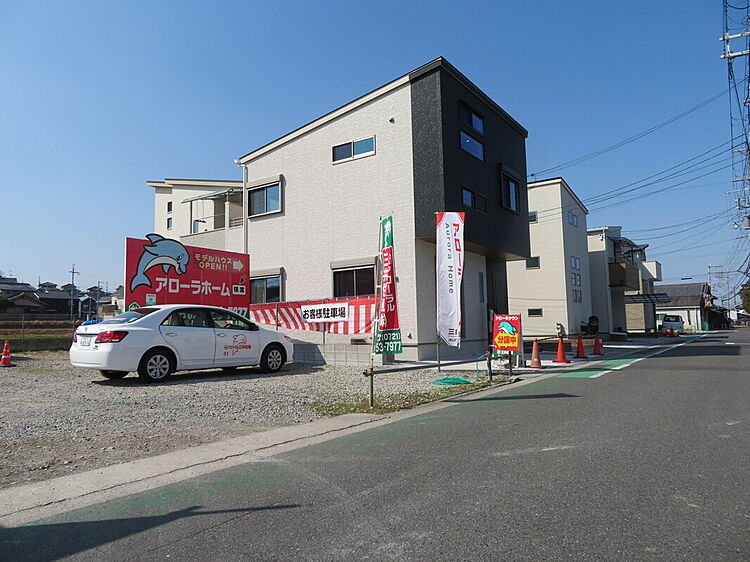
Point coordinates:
[[649, 464]]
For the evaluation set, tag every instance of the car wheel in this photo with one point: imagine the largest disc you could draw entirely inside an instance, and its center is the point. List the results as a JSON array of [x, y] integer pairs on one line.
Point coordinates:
[[272, 359], [113, 374], [156, 365]]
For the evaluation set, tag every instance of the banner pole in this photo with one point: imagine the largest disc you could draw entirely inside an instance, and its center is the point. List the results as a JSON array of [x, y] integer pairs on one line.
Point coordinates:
[[378, 304], [437, 349]]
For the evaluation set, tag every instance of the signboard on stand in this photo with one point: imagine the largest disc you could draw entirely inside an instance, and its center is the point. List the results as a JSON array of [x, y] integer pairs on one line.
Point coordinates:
[[506, 333], [161, 270]]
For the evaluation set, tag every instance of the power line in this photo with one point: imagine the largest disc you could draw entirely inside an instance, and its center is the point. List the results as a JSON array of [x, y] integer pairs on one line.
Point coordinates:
[[628, 140]]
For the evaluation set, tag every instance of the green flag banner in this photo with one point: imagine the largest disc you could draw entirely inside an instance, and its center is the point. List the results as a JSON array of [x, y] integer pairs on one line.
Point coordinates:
[[388, 334]]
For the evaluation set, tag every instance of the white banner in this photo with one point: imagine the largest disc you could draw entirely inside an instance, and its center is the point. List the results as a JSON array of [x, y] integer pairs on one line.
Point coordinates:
[[450, 269], [334, 312]]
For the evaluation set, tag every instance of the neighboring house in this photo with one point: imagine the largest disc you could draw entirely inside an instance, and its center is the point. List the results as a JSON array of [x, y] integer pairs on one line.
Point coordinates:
[[113, 304], [21, 296], [694, 302], [617, 268], [59, 301], [552, 286], [87, 307], [309, 206], [640, 305]]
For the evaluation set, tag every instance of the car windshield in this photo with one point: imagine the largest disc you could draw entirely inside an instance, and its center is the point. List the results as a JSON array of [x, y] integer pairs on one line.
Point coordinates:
[[131, 316], [672, 319]]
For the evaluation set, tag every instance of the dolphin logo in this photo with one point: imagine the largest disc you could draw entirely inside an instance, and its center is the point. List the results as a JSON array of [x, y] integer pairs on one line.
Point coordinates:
[[161, 251], [506, 327]]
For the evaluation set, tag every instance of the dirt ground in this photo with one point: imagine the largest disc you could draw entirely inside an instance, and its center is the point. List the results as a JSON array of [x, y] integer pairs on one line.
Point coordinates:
[[57, 420]]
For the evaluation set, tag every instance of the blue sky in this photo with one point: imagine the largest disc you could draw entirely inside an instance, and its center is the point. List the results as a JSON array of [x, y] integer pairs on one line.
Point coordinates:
[[98, 97]]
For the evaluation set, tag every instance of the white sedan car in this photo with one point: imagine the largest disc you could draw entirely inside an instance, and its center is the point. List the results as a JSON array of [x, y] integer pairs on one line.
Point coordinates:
[[157, 340]]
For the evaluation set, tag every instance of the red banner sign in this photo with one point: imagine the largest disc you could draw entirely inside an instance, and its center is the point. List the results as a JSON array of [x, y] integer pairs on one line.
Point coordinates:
[[506, 332], [161, 270]]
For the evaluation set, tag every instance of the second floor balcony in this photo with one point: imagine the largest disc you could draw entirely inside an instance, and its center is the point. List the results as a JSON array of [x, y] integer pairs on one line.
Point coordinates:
[[624, 275]]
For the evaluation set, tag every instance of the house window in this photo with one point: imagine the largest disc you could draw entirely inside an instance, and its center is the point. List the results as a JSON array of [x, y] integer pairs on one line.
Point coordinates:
[[266, 199], [266, 289], [354, 149], [197, 225], [532, 263], [575, 279], [533, 216], [575, 263], [577, 295], [511, 193], [472, 146], [473, 200], [358, 282], [169, 206], [169, 223], [572, 219], [471, 118], [535, 312]]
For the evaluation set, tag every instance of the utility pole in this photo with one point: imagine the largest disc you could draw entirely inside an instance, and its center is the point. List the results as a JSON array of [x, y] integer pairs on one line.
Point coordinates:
[[718, 280], [73, 274]]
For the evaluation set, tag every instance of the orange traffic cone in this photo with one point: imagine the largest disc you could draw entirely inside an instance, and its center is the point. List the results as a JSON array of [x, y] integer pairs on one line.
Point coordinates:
[[581, 353], [560, 352], [5, 360], [597, 346], [536, 362]]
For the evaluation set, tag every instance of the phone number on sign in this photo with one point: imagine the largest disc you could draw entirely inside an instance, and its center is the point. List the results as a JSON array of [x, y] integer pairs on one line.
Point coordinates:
[[389, 346]]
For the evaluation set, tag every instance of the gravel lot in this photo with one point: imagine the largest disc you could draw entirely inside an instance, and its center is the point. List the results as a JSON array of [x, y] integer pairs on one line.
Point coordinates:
[[56, 419]]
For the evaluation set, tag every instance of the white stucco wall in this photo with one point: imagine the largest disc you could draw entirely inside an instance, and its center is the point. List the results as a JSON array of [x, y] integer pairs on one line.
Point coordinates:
[[576, 244], [331, 211], [550, 287], [600, 250]]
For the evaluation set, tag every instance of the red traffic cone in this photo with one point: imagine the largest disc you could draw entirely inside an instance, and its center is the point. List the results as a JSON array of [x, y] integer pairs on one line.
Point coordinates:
[[5, 360], [560, 352], [597, 346], [536, 362], [581, 353]]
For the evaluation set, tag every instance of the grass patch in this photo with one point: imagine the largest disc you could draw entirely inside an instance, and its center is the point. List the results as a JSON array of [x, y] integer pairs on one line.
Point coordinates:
[[16, 336], [395, 402]]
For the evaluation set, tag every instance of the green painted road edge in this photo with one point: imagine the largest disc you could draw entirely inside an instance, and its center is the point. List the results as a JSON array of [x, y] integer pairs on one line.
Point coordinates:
[[611, 365]]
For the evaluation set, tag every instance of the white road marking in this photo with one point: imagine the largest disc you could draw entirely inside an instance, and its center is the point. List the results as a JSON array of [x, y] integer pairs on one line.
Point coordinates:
[[532, 450], [665, 348]]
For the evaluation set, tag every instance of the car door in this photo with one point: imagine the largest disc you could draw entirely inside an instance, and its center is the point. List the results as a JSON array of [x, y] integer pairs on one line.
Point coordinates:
[[237, 339], [188, 331]]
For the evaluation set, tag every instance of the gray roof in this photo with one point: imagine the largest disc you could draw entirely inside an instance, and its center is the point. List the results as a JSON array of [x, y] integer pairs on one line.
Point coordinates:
[[51, 295], [23, 287], [683, 294]]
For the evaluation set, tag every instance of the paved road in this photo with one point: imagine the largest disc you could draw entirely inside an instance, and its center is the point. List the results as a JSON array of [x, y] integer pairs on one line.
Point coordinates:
[[650, 462]]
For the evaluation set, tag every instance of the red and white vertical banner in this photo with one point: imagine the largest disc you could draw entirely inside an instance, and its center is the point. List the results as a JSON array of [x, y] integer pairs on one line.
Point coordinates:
[[450, 268]]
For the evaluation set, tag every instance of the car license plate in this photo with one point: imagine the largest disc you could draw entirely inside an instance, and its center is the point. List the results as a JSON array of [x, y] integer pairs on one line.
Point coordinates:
[[85, 341]]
